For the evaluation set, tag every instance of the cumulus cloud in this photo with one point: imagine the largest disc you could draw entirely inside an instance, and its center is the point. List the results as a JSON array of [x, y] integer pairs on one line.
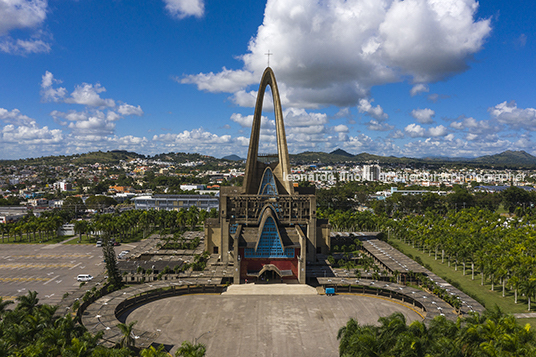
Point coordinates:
[[474, 126], [20, 14], [127, 109], [376, 112], [418, 89], [300, 117], [23, 15], [439, 130], [184, 8], [378, 126], [15, 117], [341, 128], [246, 121], [396, 134], [332, 52], [49, 94], [226, 81], [514, 117], [414, 130], [88, 94], [23, 130], [423, 116]]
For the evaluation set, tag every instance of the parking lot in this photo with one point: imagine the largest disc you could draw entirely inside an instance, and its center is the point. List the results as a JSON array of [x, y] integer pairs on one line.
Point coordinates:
[[49, 269]]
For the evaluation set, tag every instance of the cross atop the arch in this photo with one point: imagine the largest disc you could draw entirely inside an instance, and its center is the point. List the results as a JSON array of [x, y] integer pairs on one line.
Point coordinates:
[[269, 54]]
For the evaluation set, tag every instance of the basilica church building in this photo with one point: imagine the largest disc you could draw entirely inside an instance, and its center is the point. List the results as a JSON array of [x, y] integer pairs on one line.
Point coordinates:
[[267, 228]]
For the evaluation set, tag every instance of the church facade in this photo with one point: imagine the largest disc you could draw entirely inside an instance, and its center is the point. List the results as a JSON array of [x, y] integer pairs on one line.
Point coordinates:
[[267, 228]]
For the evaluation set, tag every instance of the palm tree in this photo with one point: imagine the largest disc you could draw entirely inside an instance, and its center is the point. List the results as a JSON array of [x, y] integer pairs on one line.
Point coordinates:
[[515, 283], [3, 305], [188, 349], [28, 302], [128, 339], [529, 289], [154, 352]]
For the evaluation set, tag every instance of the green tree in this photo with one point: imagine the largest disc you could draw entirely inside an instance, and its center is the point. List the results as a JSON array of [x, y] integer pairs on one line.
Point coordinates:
[[188, 349], [127, 339]]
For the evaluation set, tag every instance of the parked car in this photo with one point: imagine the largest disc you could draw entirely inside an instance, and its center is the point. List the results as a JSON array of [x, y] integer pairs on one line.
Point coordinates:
[[84, 277], [99, 243]]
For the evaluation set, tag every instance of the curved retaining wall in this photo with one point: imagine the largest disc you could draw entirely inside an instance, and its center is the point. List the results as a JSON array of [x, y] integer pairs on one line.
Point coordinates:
[[103, 314]]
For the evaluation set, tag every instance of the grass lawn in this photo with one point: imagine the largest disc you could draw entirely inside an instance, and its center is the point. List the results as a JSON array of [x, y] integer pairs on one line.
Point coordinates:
[[471, 287]]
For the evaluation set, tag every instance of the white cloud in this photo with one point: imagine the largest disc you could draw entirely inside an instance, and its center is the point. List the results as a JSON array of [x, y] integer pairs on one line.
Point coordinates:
[[300, 117], [341, 128], [396, 134], [196, 136], [23, 131], [30, 135], [423, 116], [226, 81], [480, 127], [378, 126], [516, 118], [127, 109], [15, 117], [414, 130], [88, 94], [418, 89], [332, 52], [23, 15], [49, 94], [184, 8], [439, 130], [376, 112], [247, 121], [23, 47], [20, 14]]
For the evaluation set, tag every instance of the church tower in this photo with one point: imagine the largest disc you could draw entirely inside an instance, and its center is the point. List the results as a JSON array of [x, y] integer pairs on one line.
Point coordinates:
[[267, 229]]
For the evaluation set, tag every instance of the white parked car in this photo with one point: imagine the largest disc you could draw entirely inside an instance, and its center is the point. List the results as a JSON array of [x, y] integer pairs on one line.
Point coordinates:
[[84, 277]]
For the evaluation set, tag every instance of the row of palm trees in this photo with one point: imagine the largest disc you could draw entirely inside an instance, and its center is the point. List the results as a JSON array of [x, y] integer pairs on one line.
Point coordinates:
[[491, 334], [134, 222], [501, 249], [44, 228], [31, 229]]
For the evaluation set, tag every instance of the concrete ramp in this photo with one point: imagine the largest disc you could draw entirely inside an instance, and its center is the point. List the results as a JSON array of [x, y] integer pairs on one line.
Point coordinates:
[[270, 289]]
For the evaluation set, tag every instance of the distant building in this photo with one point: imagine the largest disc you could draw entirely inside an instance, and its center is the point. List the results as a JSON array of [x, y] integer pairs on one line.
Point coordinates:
[[192, 187], [63, 186], [371, 172], [176, 202]]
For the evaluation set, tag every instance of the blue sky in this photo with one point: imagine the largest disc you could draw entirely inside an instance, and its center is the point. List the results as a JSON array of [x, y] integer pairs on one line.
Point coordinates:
[[406, 78]]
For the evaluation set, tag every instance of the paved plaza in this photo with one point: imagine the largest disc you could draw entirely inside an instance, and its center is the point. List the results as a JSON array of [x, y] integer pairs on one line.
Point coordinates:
[[261, 325], [49, 269]]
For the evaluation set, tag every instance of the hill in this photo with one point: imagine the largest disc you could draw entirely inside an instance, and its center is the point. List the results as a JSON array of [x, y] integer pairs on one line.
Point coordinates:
[[341, 152], [232, 158], [509, 157]]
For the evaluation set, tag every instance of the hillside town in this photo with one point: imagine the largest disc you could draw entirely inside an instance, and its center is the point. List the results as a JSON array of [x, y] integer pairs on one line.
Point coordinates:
[[40, 187]]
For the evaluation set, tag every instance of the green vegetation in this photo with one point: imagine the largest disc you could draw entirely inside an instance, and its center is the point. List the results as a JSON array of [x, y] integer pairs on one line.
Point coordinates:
[[492, 334], [482, 293], [33, 330]]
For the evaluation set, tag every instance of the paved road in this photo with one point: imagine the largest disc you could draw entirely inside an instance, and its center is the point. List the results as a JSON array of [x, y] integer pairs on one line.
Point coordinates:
[[49, 269], [261, 325]]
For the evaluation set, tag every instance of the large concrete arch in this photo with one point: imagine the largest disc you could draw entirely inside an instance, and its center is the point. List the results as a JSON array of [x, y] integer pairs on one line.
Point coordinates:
[[282, 169]]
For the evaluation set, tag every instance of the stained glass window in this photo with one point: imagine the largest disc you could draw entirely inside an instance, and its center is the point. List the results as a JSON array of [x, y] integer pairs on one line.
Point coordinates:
[[269, 245], [268, 186]]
